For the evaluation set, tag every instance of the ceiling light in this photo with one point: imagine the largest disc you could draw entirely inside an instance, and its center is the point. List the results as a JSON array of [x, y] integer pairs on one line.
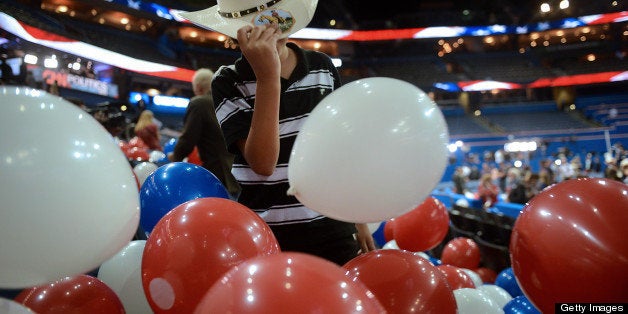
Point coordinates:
[[30, 59], [51, 62]]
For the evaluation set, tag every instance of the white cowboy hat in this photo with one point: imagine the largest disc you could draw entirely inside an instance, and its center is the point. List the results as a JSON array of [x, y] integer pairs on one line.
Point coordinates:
[[230, 15]]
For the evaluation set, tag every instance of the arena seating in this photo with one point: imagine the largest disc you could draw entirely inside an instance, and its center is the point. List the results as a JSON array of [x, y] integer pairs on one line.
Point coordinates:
[[464, 125], [421, 71], [489, 230], [508, 66], [537, 121]]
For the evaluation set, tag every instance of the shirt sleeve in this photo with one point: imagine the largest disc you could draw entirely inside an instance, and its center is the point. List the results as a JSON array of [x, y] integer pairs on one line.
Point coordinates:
[[233, 112]]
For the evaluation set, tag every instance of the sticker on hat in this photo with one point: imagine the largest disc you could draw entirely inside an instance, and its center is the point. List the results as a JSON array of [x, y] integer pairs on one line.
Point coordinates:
[[283, 19]]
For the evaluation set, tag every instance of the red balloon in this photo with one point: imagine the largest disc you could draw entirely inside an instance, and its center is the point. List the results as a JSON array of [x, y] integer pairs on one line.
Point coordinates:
[[461, 252], [456, 277], [403, 282], [288, 282], [137, 142], [422, 228], [488, 275], [124, 146], [72, 295], [194, 157], [194, 245], [137, 153], [569, 244]]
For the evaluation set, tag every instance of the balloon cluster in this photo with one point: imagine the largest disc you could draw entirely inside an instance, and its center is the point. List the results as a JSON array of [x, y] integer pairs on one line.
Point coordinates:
[[71, 204], [135, 149]]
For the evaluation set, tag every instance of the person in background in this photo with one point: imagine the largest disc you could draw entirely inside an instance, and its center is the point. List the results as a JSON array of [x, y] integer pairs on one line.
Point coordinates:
[[525, 189], [460, 181], [544, 181], [261, 102], [612, 170], [201, 130], [565, 170], [487, 191], [6, 72], [623, 168], [146, 129], [78, 102], [546, 167]]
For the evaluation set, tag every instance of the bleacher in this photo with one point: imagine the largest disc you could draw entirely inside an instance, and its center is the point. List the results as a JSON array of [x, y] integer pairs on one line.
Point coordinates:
[[608, 114], [141, 46], [464, 125], [490, 231], [502, 66], [421, 71], [574, 62], [537, 121]]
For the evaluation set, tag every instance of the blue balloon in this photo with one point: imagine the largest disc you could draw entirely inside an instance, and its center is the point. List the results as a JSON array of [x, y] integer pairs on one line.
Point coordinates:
[[435, 261], [378, 235], [520, 305], [172, 185], [506, 279], [169, 146]]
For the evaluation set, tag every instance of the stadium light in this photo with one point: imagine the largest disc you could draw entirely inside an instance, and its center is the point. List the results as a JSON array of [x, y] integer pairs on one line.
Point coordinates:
[[51, 63], [545, 7], [564, 4], [520, 146], [30, 58]]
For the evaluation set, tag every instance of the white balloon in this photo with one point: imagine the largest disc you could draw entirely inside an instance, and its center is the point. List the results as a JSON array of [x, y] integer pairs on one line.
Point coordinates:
[[474, 301], [374, 226], [12, 307], [69, 198], [156, 156], [469, 196], [123, 274], [391, 245], [370, 151], [143, 170], [475, 277], [496, 293], [423, 255]]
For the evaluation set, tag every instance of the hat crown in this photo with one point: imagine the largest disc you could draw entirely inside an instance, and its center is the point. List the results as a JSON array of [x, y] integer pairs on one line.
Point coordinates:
[[238, 5]]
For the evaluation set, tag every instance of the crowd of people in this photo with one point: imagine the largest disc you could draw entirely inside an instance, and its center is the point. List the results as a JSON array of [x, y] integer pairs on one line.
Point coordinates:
[[491, 182]]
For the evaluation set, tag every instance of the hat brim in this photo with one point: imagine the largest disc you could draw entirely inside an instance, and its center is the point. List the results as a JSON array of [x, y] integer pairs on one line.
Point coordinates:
[[301, 10]]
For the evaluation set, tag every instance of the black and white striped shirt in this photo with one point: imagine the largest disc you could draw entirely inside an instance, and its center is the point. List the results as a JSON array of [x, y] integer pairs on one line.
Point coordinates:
[[233, 89]]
